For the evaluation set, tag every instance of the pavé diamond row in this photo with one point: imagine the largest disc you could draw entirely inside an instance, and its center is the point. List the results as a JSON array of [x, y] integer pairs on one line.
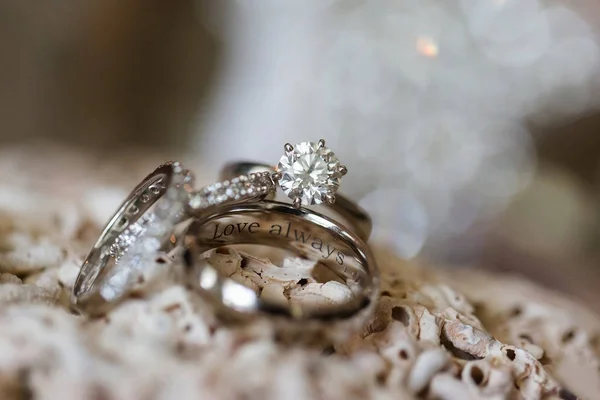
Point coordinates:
[[240, 189]]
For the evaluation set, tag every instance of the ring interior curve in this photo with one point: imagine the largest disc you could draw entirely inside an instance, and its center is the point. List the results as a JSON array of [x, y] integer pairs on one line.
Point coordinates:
[[131, 221], [355, 216], [344, 256]]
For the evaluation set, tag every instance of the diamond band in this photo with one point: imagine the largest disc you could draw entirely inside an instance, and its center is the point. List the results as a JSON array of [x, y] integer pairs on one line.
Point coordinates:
[[130, 242], [135, 249], [240, 189]]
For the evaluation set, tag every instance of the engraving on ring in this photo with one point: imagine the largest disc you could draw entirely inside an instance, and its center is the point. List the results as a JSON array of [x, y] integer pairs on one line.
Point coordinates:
[[288, 231]]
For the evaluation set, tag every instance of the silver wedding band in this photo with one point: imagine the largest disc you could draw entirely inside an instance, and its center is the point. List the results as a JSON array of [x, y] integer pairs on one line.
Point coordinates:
[[344, 257]]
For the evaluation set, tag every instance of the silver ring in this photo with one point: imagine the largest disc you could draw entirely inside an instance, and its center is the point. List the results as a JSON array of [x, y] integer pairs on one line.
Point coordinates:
[[147, 223], [343, 256], [309, 173]]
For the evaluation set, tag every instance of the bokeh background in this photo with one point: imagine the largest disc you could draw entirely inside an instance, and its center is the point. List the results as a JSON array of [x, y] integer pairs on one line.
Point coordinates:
[[471, 128]]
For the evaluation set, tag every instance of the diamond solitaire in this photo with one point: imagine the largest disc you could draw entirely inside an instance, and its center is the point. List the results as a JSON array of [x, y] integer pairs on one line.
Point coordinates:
[[309, 173]]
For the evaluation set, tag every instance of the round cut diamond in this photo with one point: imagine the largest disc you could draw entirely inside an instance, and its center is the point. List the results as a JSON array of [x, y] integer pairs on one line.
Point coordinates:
[[309, 172]]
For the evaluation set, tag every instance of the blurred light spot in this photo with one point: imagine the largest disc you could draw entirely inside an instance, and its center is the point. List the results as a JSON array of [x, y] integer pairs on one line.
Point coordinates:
[[238, 296], [441, 151], [427, 47], [208, 278]]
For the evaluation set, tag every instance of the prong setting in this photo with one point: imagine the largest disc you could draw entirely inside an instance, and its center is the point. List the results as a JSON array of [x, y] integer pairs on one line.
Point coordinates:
[[321, 143], [297, 202], [276, 176], [288, 148], [343, 170], [330, 198]]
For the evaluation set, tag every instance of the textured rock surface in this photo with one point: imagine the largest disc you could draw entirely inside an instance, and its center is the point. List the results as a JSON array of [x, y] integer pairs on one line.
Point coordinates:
[[437, 334]]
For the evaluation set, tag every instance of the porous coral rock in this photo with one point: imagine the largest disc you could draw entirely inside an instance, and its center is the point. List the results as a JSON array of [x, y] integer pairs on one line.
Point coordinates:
[[6, 277], [434, 334], [41, 253]]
